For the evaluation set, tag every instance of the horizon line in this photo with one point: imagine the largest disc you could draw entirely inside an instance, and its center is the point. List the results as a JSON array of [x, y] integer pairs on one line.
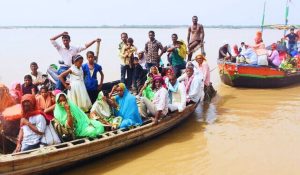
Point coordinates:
[[125, 26]]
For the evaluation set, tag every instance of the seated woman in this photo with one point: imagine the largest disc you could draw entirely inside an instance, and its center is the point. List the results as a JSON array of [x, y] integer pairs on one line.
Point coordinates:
[[158, 107], [46, 102], [16, 92], [125, 106], [72, 117], [102, 111], [146, 90], [273, 58], [6, 100]]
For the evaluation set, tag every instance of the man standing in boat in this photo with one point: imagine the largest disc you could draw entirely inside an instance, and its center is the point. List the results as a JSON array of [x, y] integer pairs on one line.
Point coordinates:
[[195, 37], [66, 53]]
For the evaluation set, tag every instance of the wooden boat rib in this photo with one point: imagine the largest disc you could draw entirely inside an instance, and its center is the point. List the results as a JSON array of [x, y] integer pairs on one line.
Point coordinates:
[[244, 75], [55, 156]]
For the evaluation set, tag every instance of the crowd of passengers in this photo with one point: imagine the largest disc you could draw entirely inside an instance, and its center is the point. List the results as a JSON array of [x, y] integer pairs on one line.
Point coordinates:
[[78, 108], [259, 54]]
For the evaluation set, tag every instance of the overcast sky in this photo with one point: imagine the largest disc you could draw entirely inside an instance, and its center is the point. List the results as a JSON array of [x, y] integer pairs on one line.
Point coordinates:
[[143, 12]]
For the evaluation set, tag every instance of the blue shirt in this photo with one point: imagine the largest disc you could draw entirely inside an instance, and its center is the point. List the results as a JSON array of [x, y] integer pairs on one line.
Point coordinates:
[[90, 81]]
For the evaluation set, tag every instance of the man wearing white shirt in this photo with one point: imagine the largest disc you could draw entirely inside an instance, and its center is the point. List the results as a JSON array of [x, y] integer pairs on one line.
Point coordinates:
[[32, 125], [66, 53], [193, 85], [177, 94], [158, 107]]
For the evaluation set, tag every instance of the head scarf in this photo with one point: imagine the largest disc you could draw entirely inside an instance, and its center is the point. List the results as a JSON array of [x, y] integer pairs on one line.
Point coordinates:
[[200, 56], [6, 100], [101, 107], [157, 78], [84, 127], [34, 110], [127, 109], [122, 86], [156, 70]]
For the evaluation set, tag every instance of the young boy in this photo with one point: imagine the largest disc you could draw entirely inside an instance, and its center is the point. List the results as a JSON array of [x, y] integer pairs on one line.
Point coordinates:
[[139, 75], [37, 77], [28, 87]]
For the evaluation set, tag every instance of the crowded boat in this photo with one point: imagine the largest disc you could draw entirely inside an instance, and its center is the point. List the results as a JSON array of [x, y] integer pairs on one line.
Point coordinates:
[[69, 101], [260, 66]]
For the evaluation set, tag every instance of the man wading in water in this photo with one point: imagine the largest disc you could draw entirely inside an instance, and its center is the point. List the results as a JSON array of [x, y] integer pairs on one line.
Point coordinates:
[[195, 38]]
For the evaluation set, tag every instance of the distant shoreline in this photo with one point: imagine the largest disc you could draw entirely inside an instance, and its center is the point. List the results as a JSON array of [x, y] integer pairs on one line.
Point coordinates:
[[131, 26]]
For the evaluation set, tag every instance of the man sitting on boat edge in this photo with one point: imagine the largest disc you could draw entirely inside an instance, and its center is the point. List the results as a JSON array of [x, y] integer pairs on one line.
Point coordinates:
[[32, 125]]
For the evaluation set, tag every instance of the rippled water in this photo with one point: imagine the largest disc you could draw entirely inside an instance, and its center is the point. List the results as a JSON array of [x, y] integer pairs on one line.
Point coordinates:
[[243, 131]]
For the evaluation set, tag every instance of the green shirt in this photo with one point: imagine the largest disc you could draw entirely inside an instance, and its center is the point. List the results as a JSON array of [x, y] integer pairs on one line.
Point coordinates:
[[176, 59]]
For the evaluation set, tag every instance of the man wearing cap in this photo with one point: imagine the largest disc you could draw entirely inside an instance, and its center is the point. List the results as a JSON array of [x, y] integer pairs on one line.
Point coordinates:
[[66, 53], [292, 40], [176, 55]]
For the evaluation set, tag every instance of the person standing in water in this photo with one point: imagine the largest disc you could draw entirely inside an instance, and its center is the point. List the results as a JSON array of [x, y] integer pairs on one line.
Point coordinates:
[[195, 38]]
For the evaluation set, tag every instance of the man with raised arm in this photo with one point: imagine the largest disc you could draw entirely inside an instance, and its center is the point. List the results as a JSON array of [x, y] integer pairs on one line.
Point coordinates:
[[195, 37], [66, 52]]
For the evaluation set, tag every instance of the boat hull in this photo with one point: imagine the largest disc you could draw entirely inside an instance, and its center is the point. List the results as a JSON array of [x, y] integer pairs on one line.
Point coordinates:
[[56, 156], [248, 76]]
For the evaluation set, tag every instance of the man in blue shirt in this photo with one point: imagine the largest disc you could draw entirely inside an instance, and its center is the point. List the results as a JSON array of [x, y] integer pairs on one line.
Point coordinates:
[[292, 40]]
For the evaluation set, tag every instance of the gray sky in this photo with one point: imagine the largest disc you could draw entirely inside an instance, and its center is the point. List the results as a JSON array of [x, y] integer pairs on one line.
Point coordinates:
[[142, 12]]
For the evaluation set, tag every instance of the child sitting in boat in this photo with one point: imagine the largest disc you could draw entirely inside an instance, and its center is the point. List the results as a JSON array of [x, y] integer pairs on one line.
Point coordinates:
[[46, 102], [139, 75], [37, 76], [76, 90], [90, 71], [28, 87]]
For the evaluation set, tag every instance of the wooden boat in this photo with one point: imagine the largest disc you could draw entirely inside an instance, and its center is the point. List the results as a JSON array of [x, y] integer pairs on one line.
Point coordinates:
[[253, 76], [67, 153]]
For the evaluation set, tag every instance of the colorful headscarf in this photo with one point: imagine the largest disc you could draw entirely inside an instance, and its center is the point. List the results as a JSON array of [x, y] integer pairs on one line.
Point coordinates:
[[122, 86], [200, 56], [157, 78], [6, 99], [34, 110]]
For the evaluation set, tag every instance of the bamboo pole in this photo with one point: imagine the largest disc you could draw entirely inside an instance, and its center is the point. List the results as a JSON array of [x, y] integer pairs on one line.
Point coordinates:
[[97, 51]]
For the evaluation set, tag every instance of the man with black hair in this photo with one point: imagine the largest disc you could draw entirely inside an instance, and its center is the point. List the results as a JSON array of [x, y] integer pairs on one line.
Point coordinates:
[[151, 52], [66, 53]]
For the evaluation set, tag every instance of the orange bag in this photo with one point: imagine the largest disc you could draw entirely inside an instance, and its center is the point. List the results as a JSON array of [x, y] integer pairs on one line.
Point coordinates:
[[13, 112]]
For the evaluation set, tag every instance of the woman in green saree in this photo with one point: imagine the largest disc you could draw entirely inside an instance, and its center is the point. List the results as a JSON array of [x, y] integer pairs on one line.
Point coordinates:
[[71, 116]]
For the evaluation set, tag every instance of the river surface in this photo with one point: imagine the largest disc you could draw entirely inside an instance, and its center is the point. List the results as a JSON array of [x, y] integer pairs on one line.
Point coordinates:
[[243, 131]]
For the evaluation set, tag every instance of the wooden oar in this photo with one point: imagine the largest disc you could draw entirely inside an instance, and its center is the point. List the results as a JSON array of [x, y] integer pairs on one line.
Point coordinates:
[[97, 51]]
